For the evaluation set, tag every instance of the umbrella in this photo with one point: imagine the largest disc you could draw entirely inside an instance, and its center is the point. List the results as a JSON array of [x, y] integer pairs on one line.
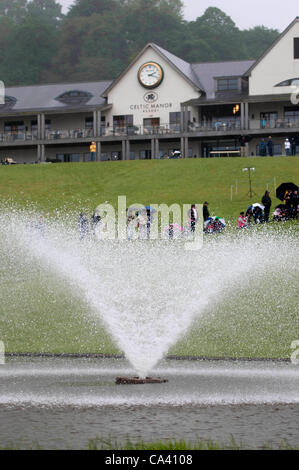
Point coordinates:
[[149, 208], [258, 205], [211, 219], [281, 190]]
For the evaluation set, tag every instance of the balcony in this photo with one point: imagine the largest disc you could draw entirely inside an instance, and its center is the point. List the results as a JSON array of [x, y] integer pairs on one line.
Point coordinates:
[[221, 125], [17, 136], [162, 129], [256, 124], [56, 134]]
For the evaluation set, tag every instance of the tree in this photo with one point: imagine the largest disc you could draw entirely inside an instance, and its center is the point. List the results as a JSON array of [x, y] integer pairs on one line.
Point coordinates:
[[158, 21], [13, 9], [218, 35], [32, 43], [257, 40], [89, 7]]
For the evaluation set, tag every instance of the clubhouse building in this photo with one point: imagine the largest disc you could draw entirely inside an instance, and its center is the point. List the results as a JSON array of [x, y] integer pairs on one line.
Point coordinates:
[[158, 105]]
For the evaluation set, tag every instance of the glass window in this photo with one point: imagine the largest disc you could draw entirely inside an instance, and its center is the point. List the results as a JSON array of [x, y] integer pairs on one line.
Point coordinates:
[[225, 84], [34, 125], [123, 121], [290, 82], [175, 118], [291, 113], [296, 48], [89, 122]]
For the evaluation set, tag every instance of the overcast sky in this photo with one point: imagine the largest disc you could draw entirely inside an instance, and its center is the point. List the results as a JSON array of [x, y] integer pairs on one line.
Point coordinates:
[[245, 13]]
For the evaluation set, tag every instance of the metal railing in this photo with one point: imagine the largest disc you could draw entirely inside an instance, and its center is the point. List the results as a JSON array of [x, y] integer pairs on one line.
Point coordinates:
[[56, 134], [223, 125], [12, 136], [256, 124]]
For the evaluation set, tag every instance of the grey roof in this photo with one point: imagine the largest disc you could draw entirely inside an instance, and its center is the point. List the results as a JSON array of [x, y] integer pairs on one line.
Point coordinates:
[[43, 97], [184, 67], [206, 72]]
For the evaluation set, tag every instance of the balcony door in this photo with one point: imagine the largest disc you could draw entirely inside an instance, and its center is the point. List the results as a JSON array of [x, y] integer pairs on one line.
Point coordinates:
[[150, 124]]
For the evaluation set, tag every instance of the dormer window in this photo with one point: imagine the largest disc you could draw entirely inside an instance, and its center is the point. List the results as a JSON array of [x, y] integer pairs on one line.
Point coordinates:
[[290, 82], [74, 97], [296, 48], [9, 103], [225, 84]]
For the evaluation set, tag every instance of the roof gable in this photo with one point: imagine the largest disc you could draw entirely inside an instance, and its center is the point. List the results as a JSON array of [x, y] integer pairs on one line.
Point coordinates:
[[182, 67], [280, 37]]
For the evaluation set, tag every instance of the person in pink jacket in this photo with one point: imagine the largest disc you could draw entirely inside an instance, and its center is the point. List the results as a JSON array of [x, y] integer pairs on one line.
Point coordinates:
[[242, 220]]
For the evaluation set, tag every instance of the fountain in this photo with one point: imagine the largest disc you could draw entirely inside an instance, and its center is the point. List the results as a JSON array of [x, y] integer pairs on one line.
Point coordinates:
[[147, 294], [151, 298]]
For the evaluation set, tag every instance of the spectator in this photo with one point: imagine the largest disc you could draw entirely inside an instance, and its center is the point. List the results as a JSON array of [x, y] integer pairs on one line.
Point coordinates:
[[293, 146], [267, 202], [287, 147], [93, 149], [263, 148], [243, 146], [193, 217], [270, 146], [206, 213], [83, 226], [242, 221]]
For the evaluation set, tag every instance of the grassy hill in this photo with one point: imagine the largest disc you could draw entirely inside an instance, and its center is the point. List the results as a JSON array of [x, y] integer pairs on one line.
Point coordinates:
[[85, 185]]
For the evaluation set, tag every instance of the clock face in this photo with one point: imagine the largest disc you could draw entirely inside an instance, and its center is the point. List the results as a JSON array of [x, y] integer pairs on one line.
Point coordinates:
[[150, 75]]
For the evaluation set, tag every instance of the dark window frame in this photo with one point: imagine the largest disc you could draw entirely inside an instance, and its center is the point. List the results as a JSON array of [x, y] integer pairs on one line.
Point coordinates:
[[228, 84], [296, 48]]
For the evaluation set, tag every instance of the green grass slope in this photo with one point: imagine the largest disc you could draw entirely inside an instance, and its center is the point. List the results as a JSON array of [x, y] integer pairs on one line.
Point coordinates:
[[76, 185]]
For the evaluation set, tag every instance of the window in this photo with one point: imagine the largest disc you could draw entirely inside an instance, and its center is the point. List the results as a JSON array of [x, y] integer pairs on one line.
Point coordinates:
[[175, 118], [290, 82], [296, 48], [68, 157], [225, 84], [15, 128], [8, 103], [74, 97], [123, 121], [89, 122], [268, 119], [34, 125], [291, 113]]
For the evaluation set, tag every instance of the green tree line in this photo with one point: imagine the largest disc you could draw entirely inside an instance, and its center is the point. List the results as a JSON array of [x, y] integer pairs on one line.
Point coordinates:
[[97, 39]]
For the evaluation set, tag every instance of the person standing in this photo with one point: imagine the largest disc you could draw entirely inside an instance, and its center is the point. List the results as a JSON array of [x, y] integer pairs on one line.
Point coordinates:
[[93, 151], [293, 146], [267, 202], [270, 146], [94, 221], [83, 226], [295, 204], [287, 147], [206, 213], [263, 148], [193, 217], [243, 146]]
